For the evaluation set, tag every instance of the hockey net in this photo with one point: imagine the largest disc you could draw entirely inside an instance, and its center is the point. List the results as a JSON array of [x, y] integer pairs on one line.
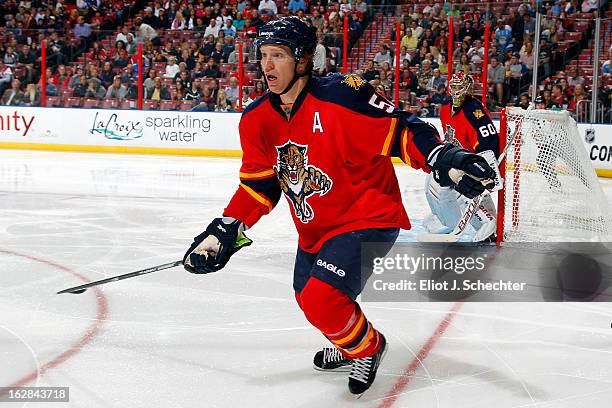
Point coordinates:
[[551, 192]]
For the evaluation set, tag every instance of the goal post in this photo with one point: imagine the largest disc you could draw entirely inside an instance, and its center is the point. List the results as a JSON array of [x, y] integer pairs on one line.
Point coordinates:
[[551, 192]]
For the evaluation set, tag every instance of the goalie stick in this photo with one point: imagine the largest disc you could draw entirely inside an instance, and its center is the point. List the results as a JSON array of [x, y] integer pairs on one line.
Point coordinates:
[[471, 208], [82, 288]]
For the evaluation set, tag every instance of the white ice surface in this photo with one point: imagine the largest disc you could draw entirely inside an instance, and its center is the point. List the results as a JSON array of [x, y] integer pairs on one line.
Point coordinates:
[[236, 338]]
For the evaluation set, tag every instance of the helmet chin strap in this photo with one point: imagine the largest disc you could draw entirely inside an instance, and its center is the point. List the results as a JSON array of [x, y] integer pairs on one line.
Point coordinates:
[[296, 76]]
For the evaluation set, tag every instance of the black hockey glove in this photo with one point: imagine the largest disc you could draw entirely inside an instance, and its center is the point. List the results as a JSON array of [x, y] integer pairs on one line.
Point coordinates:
[[212, 249], [475, 167]]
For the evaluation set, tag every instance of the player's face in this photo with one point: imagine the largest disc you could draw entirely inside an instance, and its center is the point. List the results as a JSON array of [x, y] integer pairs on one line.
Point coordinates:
[[278, 66]]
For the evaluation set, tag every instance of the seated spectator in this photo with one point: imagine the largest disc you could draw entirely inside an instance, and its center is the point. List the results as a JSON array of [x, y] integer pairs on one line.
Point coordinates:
[[158, 92], [10, 57], [212, 28], [443, 64], [514, 70], [217, 53], [238, 22], [524, 101], [185, 79], [465, 65], [527, 56], [199, 26], [496, 77], [246, 99], [503, 35], [436, 81], [81, 87], [467, 33], [212, 69], [476, 53], [61, 78], [12, 96], [181, 23], [404, 55], [439, 96], [424, 75], [267, 7], [82, 30], [463, 49], [231, 91], [94, 89], [107, 74], [31, 97], [152, 18], [579, 95], [249, 29], [123, 35], [557, 96], [121, 59], [295, 5], [171, 68], [178, 93], [409, 41], [132, 89], [208, 99], [259, 90], [574, 77], [149, 82], [386, 82], [370, 72], [116, 89], [223, 104], [194, 93], [197, 71], [383, 55], [408, 80], [229, 30], [97, 52]]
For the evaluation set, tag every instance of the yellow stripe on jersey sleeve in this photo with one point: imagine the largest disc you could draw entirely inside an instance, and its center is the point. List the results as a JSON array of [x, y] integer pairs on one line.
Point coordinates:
[[258, 175], [387, 146], [257, 196]]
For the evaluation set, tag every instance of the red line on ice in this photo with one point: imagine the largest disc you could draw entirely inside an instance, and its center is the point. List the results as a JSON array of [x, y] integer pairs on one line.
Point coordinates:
[[92, 331], [409, 371]]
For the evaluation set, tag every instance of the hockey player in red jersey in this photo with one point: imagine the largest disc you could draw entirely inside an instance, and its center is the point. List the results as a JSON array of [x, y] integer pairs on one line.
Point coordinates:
[[326, 144], [466, 123]]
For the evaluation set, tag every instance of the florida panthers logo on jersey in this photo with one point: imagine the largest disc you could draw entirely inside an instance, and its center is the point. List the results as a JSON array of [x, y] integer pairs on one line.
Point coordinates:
[[298, 180]]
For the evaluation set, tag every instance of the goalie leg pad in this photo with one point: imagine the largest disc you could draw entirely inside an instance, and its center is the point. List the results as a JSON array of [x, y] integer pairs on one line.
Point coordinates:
[[444, 205]]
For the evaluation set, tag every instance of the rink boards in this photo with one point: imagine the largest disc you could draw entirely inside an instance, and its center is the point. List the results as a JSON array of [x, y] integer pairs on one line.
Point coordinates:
[[175, 132]]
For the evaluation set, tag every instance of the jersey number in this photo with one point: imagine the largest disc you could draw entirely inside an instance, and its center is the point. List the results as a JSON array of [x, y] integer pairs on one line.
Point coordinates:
[[486, 130], [381, 103]]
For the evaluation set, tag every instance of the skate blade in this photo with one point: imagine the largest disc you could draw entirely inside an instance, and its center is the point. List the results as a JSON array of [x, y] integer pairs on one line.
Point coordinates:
[[344, 369]]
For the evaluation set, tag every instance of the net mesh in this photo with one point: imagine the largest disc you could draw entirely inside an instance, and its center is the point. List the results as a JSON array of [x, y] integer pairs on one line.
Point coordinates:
[[551, 191]]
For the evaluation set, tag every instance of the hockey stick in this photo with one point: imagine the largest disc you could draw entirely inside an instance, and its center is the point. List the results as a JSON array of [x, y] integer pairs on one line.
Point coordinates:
[[82, 288], [471, 208]]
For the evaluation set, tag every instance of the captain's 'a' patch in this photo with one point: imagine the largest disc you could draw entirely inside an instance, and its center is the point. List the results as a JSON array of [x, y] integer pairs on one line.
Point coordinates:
[[354, 81]]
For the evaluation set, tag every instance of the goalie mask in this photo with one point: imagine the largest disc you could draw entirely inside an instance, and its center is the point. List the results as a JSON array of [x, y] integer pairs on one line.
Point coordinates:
[[460, 85]]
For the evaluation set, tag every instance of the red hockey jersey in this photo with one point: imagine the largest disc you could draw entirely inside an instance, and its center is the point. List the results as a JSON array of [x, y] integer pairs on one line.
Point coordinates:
[[331, 159], [470, 125]]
